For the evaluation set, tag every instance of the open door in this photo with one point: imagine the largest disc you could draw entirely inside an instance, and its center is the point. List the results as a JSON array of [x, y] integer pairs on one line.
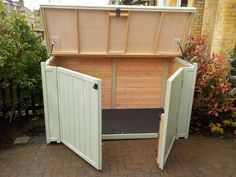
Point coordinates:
[[80, 114], [169, 120]]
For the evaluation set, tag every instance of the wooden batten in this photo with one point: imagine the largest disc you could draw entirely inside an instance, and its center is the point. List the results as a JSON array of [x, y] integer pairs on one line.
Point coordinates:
[[112, 13]]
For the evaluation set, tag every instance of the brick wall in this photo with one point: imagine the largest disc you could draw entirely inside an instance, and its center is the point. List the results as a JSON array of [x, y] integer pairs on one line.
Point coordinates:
[[224, 37], [196, 27], [209, 20], [217, 20], [171, 3]]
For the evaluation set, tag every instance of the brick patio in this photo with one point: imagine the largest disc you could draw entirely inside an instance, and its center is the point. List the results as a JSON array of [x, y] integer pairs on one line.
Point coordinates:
[[198, 156]]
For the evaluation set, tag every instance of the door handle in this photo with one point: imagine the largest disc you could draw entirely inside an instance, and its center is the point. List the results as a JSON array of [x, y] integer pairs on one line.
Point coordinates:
[[95, 86]]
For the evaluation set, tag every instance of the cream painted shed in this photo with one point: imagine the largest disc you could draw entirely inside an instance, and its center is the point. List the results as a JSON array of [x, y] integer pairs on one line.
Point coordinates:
[[115, 58]]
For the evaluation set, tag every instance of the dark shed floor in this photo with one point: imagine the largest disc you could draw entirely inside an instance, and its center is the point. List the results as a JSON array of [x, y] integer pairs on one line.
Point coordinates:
[[127, 121]]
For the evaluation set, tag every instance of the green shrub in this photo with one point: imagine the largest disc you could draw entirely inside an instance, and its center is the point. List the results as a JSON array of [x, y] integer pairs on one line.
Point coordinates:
[[21, 51]]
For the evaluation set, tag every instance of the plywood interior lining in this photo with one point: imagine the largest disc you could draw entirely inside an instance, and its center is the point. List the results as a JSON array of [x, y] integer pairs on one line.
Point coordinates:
[[95, 32], [173, 30], [138, 81], [97, 67], [62, 30]]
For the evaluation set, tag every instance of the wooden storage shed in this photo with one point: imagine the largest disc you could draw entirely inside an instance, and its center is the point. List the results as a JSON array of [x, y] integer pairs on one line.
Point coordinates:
[[105, 60]]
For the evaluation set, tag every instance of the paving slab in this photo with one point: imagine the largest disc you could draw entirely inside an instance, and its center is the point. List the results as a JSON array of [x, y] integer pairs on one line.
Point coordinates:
[[195, 157], [22, 140]]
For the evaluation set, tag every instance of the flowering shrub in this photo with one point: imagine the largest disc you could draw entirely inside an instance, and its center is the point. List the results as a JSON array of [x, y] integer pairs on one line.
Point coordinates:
[[214, 94]]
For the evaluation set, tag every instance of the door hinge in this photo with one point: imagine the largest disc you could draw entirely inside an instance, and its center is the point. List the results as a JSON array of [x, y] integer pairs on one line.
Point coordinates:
[[95, 86]]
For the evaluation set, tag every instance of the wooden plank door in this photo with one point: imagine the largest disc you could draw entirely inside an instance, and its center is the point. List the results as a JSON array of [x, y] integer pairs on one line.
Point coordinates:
[[80, 114], [169, 120]]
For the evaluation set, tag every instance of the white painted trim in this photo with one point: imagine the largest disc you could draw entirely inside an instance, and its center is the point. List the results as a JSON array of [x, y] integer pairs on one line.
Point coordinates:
[[183, 62], [77, 74], [191, 96], [45, 102], [172, 78], [129, 136], [100, 123], [48, 61], [54, 139], [123, 7], [80, 154], [168, 152], [164, 81]]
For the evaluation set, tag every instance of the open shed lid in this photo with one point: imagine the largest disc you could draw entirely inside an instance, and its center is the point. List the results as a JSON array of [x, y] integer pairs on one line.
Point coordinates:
[[116, 30]]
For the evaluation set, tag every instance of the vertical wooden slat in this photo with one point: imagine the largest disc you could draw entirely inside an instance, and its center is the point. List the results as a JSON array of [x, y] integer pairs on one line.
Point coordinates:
[[77, 117], [78, 36], [164, 80], [113, 87], [158, 33], [44, 15], [126, 32], [108, 33], [82, 115], [72, 111]]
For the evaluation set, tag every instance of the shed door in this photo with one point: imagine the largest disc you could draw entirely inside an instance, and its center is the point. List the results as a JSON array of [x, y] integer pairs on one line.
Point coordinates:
[[80, 114], [169, 120]]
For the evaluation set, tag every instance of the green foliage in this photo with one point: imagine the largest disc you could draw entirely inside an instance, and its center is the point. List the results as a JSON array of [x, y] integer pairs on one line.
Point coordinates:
[[216, 128], [21, 51], [214, 97]]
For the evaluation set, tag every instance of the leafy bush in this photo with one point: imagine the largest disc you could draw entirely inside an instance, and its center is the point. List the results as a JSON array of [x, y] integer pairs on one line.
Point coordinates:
[[214, 96], [21, 51]]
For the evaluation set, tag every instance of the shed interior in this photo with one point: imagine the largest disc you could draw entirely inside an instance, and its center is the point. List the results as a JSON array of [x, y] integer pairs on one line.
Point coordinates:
[[133, 89]]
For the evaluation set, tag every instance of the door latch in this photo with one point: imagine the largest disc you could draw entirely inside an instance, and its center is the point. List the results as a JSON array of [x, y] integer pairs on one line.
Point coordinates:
[[118, 12], [95, 86]]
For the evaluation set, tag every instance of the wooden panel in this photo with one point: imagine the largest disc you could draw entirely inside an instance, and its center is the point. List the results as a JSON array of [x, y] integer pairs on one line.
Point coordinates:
[[93, 29], [96, 67], [117, 34], [76, 96], [173, 29], [62, 29], [139, 82], [142, 31]]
